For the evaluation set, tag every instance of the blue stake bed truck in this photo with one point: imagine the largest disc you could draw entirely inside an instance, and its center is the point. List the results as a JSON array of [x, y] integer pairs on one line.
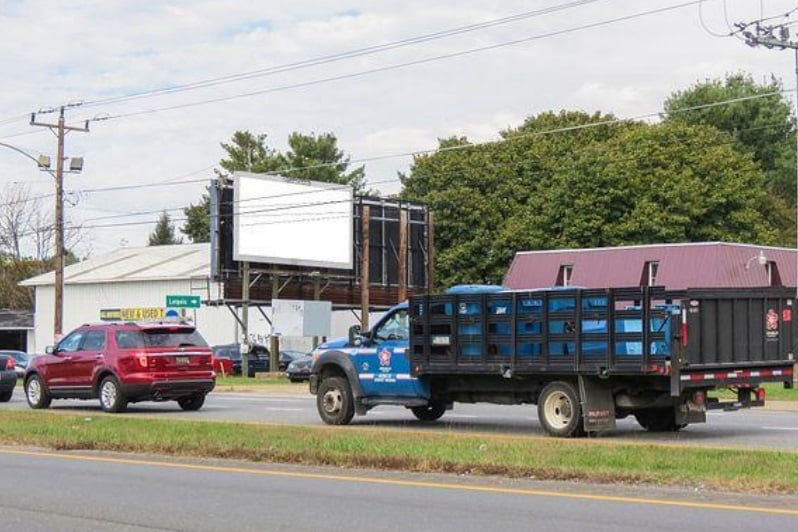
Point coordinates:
[[585, 357]]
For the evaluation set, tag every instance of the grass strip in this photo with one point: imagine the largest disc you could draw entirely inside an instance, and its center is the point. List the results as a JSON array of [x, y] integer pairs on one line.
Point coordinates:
[[512, 456], [270, 380]]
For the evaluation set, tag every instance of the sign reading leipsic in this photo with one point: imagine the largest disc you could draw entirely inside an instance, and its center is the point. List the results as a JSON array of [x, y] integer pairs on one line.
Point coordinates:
[[183, 301]]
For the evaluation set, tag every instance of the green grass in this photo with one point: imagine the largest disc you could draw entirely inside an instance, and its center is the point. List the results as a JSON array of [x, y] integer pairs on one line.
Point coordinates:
[[513, 456], [245, 381]]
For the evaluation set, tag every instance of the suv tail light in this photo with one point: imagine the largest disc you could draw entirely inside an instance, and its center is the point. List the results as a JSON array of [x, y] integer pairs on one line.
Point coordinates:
[[142, 361], [10, 363]]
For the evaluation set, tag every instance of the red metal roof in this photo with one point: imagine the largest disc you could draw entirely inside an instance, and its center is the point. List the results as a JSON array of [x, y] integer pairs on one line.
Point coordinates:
[[691, 265]]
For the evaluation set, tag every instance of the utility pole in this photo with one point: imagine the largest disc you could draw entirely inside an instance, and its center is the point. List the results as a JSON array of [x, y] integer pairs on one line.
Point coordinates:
[[778, 37], [245, 343], [76, 164]]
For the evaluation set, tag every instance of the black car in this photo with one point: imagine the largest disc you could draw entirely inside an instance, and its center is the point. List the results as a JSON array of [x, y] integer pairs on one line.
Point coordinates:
[[299, 369], [8, 377], [286, 357], [257, 358]]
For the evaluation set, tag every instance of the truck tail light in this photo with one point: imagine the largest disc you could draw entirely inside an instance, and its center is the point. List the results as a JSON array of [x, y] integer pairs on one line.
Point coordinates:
[[760, 394], [700, 398]]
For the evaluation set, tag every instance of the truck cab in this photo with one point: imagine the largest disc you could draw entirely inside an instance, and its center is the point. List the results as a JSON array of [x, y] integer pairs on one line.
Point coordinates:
[[368, 368]]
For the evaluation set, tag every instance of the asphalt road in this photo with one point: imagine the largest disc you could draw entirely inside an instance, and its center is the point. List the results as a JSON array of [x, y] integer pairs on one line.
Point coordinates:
[[755, 428], [71, 491]]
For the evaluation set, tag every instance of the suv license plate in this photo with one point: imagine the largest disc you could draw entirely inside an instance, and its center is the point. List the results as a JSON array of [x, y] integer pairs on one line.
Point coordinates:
[[181, 360]]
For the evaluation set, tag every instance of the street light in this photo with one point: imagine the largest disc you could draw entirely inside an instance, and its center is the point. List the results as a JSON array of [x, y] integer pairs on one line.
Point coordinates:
[[761, 259], [60, 129], [75, 166]]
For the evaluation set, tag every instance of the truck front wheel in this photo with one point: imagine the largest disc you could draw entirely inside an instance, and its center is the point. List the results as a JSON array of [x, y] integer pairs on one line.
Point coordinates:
[[429, 412], [560, 411], [334, 401]]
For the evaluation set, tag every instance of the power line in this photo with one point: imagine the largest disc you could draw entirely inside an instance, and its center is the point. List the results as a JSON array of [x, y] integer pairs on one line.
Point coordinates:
[[278, 69], [704, 24], [22, 133], [12, 119], [740, 27], [280, 209], [450, 148], [367, 72]]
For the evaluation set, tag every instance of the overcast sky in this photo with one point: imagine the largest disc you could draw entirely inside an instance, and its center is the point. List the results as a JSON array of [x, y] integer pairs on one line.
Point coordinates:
[[59, 52]]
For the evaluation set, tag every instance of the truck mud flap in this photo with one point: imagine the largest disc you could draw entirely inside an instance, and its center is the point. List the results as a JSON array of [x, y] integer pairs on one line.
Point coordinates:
[[598, 405], [687, 414]]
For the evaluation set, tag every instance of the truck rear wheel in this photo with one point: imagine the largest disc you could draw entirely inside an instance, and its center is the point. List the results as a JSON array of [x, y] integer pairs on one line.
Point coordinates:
[[658, 420], [560, 411], [429, 412], [334, 401]]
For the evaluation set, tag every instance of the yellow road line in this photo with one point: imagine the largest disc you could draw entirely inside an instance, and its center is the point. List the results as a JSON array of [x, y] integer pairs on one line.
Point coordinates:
[[408, 483]]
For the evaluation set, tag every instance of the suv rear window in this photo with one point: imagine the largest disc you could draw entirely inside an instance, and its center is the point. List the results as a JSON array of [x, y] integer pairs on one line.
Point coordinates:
[[165, 337]]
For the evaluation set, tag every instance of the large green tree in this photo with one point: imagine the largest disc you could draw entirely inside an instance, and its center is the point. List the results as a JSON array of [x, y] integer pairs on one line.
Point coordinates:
[[310, 156], [164, 232], [247, 152], [763, 126], [555, 184]]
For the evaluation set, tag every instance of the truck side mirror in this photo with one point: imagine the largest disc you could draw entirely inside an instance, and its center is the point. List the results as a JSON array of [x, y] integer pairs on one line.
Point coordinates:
[[354, 335]]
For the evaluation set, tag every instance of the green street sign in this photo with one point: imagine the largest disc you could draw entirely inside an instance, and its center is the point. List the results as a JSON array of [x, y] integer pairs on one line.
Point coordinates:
[[183, 301]]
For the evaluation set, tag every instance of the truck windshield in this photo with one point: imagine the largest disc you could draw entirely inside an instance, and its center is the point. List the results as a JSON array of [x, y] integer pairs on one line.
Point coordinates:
[[396, 327]]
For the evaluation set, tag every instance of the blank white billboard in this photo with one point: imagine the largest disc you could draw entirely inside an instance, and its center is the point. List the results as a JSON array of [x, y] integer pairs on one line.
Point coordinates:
[[288, 221]]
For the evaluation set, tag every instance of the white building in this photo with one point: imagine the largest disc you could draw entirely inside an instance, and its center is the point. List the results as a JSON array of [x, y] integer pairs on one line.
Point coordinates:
[[142, 278]]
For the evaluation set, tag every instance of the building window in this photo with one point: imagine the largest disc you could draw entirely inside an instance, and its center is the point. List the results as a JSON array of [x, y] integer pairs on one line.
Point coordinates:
[[649, 277], [774, 279], [565, 275]]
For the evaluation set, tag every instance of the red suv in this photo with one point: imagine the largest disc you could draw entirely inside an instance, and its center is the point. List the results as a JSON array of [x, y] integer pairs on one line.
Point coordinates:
[[122, 363]]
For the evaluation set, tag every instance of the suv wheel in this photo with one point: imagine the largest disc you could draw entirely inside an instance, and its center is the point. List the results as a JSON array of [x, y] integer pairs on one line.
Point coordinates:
[[111, 398], [6, 396], [36, 393], [192, 403]]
